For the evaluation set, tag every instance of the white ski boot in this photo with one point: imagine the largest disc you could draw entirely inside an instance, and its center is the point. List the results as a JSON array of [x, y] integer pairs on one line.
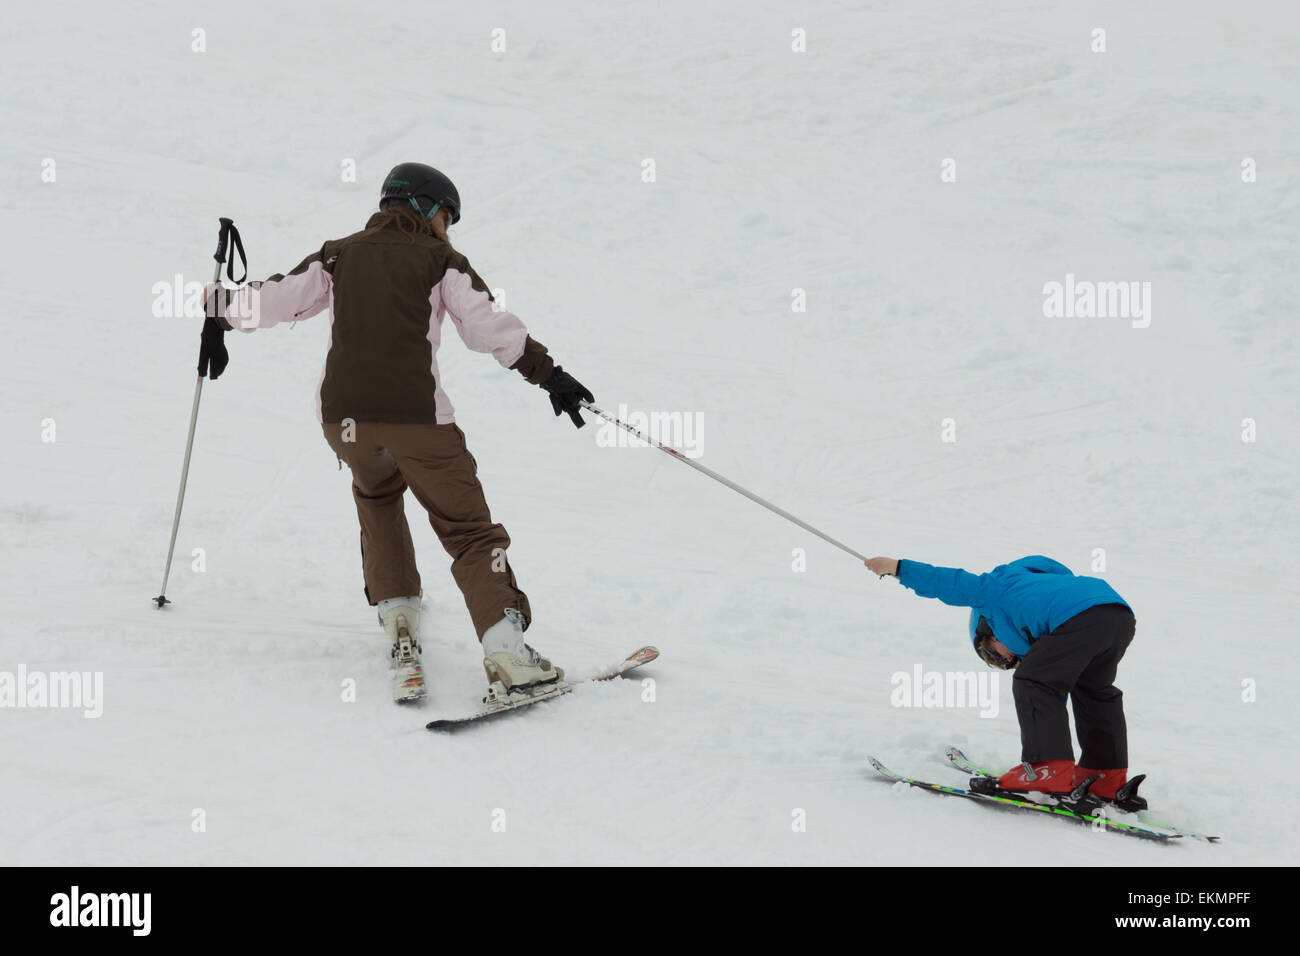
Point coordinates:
[[401, 620], [512, 666]]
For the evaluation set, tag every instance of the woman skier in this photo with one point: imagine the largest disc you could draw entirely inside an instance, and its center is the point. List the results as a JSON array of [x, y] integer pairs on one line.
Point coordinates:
[[1063, 635], [384, 411]]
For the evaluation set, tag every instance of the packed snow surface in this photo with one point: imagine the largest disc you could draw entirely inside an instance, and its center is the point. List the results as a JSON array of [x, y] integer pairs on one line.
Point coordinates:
[[822, 233]]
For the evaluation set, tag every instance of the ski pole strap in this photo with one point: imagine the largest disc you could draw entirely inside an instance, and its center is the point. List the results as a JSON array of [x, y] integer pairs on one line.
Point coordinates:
[[229, 232]]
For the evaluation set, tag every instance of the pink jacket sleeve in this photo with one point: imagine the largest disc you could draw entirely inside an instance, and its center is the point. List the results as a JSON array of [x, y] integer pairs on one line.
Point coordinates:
[[481, 325], [282, 298]]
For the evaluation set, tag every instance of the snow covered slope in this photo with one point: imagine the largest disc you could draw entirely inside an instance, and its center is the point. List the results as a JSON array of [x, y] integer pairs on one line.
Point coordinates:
[[775, 171]]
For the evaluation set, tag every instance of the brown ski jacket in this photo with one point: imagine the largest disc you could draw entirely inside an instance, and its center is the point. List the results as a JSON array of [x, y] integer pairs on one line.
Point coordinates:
[[387, 292]]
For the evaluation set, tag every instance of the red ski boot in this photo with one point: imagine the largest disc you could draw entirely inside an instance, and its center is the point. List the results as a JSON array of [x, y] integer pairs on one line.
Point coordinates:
[[1114, 787], [1047, 776]]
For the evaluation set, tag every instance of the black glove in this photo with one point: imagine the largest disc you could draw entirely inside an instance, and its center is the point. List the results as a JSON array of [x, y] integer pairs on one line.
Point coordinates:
[[566, 394], [212, 347]]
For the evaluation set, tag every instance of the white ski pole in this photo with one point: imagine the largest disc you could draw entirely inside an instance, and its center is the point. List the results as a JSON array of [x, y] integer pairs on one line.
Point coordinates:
[[717, 477], [227, 227]]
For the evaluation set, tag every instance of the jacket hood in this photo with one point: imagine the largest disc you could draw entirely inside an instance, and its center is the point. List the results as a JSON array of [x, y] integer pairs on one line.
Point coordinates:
[[1040, 564], [1034, 563]]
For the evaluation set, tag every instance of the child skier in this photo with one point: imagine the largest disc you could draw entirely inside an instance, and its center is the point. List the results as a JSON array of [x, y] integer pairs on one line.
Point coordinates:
[[384, 411], [1063, 635]]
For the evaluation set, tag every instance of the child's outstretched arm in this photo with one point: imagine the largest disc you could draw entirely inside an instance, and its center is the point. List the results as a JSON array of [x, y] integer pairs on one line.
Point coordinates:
[[949, 585]]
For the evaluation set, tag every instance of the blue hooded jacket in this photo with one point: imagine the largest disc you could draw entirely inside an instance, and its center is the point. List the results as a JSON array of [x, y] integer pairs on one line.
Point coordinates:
[[1022, 600]]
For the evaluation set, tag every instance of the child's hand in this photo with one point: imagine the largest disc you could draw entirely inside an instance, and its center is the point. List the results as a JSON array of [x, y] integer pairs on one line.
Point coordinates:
[[883, 566]]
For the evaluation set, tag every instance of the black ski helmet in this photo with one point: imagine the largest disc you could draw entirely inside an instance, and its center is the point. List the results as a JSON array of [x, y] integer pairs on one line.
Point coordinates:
[[421, 187], [980, 634]]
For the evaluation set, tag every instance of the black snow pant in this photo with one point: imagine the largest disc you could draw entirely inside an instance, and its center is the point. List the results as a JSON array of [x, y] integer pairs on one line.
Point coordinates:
[[1078, 659]]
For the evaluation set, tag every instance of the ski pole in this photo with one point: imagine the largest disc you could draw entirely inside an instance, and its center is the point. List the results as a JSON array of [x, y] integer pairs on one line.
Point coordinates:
[[227, 227], [717, 477]]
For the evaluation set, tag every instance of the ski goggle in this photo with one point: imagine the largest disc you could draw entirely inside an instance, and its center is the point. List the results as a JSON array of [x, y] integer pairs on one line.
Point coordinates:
[[983, 637], [993, 660]]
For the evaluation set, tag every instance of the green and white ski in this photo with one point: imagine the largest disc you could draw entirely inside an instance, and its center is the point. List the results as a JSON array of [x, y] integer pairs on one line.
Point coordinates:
[[970, 768], [1098, 820]]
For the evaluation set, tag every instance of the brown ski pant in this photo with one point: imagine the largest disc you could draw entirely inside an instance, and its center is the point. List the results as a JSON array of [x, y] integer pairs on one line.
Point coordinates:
[[434, 463]]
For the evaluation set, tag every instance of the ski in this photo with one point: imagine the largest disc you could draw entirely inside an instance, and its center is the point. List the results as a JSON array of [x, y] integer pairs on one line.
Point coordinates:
[[497, 703], [642, 655], [408, 684], [967, 766], [408, 673], [1056, 810], [964, 764]]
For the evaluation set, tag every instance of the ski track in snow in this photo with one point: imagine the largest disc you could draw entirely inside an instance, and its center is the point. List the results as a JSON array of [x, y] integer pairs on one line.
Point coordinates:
[[775, 170]]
